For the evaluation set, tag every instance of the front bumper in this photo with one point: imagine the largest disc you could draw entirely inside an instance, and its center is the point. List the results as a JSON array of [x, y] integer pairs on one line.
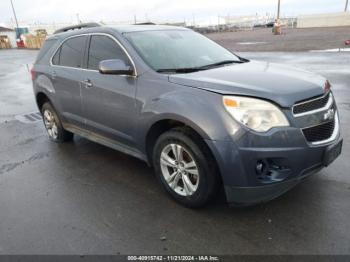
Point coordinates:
[[285, 166], [245, 196], [257, 167]]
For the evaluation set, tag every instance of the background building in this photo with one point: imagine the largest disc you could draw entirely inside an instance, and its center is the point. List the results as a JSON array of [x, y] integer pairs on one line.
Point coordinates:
[[324, 20], [7, 38]]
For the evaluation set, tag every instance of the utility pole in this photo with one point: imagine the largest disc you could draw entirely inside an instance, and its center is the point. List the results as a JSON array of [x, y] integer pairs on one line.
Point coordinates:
[[14, 14], [346, 6], [278, 9], [218, 23], [135, 20], [78, 18]]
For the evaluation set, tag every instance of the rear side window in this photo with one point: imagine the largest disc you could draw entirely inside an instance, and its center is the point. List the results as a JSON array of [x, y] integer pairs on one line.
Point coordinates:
[[45, 52], [56, 57], [71, 52], [104, 48]]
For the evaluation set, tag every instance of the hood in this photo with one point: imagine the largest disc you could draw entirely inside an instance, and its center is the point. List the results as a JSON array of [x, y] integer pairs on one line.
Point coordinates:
[[279, 83]]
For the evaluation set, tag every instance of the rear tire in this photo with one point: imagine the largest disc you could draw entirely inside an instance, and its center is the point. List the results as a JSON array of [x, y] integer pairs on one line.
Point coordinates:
[[53, 124], [185, 167]]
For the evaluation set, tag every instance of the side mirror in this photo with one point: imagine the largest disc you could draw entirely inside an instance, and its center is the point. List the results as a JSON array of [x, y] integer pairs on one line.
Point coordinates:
[[115, 67]]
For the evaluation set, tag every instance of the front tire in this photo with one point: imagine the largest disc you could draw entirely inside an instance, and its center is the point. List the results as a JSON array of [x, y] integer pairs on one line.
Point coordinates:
[[53, 125], [185, 167]]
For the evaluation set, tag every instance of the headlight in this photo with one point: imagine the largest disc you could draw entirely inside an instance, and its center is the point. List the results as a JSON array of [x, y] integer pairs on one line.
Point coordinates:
[[256, 114]]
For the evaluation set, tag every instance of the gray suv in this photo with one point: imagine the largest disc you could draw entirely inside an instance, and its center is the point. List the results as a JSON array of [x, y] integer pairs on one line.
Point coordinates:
[[203, 117]]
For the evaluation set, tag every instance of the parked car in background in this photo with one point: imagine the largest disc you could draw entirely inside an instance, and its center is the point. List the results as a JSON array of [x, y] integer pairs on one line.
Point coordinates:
[[270, 24], [202, 116], [259, 26]]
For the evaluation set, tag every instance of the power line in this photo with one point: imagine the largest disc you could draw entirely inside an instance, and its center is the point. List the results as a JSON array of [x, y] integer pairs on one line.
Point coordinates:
[[346, 6]]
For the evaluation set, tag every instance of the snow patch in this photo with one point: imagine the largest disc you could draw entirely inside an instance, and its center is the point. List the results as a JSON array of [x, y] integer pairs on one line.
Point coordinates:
[[251, 43], [331, 50]]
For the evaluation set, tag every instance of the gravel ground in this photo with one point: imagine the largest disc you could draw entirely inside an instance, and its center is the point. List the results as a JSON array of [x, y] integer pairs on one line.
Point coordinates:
[[291, 40]]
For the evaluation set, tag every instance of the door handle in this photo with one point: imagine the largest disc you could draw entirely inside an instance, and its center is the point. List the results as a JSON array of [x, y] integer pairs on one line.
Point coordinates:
[[87, 83]]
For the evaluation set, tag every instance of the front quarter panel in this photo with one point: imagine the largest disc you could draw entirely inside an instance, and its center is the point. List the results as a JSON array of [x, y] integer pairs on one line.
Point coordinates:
[[203, 111]]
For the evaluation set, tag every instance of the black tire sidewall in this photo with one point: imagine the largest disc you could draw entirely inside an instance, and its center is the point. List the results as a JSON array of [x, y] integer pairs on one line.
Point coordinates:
[[202, 194], [62, 136]]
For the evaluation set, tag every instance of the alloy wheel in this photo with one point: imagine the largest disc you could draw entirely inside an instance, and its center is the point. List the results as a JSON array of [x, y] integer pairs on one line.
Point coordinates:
[[179, 169], [50, 124]]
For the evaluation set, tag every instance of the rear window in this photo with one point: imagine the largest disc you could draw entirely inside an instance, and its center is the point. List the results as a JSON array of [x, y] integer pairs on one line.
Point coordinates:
[[45, 51], [71, 52]]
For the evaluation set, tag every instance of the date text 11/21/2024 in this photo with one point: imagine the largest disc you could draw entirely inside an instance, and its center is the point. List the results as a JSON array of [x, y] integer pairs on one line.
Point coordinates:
[[173, 258]]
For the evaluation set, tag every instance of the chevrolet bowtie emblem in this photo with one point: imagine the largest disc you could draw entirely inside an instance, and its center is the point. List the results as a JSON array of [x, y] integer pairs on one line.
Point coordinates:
[[329, 115]]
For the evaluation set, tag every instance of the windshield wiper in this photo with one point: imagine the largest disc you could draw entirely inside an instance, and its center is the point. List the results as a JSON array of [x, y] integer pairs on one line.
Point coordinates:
[[225, 62], [179, 70], [200, 68]]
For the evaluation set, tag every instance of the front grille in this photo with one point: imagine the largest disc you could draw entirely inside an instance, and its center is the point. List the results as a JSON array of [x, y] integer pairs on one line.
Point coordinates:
[[320, 132], [311, 105]]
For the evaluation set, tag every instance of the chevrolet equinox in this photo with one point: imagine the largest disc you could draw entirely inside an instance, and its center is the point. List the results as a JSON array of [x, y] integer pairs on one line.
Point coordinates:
[[203, 117]]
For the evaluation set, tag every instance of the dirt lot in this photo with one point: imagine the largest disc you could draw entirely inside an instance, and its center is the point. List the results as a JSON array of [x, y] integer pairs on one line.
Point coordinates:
[[291, 40]]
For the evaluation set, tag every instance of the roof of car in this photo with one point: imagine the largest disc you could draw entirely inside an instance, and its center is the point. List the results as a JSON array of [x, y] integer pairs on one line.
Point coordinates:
[[119, 28], [138, 28]]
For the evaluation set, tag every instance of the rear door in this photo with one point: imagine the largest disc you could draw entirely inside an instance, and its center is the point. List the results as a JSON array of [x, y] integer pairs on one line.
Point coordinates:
[[109, 100], [66, 76]]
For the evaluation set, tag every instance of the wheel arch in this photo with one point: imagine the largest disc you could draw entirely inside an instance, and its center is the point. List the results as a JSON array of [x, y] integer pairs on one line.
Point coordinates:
[[41, 99], [196, 134], [163, 125]]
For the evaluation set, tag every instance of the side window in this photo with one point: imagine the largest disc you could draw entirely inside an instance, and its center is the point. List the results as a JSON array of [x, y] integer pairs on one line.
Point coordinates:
[[56, 57], [104, 48], [45, 51], [71, 52]]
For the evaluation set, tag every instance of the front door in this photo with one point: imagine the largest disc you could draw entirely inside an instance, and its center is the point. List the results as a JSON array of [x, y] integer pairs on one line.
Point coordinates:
[[108, 100]]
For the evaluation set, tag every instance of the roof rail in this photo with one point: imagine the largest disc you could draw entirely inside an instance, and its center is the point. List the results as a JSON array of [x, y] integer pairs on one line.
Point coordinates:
[[79, 26], [146, 23]]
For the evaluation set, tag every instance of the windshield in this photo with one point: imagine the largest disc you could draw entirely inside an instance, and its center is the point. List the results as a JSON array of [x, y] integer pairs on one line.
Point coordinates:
[[178, 49]]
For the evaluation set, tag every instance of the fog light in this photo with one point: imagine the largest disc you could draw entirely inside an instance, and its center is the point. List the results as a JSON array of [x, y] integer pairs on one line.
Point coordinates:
[[271, 170], [260, 168]]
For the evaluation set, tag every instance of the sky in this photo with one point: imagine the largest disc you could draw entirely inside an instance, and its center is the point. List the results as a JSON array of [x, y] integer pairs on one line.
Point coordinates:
[[59, 11]]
